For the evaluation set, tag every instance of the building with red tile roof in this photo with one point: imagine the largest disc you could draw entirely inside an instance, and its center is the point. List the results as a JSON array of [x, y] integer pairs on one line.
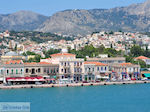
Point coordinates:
[[145, 59], [126, 71]]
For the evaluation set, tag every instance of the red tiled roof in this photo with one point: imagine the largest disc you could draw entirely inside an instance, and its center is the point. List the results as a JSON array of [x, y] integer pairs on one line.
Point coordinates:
[[141, 57], [44, 63], [32, 63], [125, 64], [14, 62], [62, 54], [95, 63]]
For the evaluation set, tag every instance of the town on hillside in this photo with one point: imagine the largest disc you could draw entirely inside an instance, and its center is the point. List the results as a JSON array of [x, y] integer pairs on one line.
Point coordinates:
[[101, 56]]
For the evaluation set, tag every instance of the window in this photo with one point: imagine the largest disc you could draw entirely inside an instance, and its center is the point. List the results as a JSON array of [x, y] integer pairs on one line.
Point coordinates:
[[105, 68], [101, 68], [62, 70], [39, 70], [65, 71], [57, 69], [27, 70], [12, 71], [7, 71], [89, 69], [16, 71], [86, 69], [44, 70], [65, 63], [93, 69], [97, 68], [21, 71]]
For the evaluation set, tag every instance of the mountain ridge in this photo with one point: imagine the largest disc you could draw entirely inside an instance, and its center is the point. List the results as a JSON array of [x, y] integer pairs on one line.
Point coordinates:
[[135, 17]]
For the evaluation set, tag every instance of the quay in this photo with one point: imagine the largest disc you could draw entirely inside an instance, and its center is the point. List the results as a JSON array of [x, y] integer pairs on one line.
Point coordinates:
[[71, 84]]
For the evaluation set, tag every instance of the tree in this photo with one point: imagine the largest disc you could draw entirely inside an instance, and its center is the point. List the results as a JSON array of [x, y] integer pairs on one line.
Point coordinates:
[[51, 51], [136, 51]]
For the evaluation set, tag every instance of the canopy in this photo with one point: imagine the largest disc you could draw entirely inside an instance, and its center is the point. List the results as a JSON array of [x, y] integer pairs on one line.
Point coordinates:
[[50, 79], [147, 74], [25, 79]]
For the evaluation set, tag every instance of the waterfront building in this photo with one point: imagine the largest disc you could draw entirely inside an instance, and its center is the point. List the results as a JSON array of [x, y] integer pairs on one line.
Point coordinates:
[[69, 66], [95, 71], [41, 69], [125, 71], [143, 58], [13, 68]]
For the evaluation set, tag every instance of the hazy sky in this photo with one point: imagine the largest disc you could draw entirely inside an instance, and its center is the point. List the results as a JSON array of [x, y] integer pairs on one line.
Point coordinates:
[[49, 7]]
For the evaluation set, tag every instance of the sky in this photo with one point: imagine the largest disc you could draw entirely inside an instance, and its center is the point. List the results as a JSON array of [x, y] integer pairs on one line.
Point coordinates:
[[49, 7]]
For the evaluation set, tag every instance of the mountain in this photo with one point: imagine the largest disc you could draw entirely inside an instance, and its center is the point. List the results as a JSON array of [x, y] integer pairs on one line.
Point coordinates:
[[133, 18], [22, 20]]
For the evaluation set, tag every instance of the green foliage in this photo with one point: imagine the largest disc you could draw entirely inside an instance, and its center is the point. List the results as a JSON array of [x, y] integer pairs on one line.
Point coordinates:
[[91, 51], [29, 53], [37, 37], [35, 59], [136, 51], [51, 51], [140, 62]]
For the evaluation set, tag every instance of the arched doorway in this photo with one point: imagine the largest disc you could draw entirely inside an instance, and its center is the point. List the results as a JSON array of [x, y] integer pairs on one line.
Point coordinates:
[[33, 71]]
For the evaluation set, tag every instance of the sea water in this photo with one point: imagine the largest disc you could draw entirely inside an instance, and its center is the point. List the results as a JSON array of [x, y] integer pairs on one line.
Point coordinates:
[[108, 98]]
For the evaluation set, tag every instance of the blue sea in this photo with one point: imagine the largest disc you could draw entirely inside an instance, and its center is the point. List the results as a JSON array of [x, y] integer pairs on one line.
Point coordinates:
[[108, 98]]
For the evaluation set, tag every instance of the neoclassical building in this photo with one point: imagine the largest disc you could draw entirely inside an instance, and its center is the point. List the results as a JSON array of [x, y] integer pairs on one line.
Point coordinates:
[[126, 71], [40, 69], [12, 68], [95, 70], [70, 67]]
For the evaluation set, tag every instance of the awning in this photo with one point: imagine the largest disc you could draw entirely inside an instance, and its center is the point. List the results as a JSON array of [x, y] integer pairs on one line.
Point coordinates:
[[25, 79], [147, 74], [50, 79]]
